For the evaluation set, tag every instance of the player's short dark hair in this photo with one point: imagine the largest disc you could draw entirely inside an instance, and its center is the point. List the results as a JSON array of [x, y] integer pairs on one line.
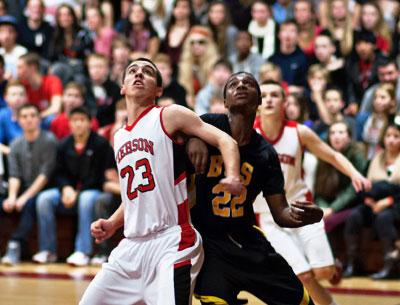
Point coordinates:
[[237, 73], [158, 73], [27, 106], [272, 82], [80, 110]]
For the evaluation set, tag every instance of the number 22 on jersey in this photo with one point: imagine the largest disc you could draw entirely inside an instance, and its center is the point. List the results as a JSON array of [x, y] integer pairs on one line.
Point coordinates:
[[224, 203]]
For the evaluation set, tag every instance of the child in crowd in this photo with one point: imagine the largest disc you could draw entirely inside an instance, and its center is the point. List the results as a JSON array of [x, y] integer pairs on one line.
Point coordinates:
[[73, 96]]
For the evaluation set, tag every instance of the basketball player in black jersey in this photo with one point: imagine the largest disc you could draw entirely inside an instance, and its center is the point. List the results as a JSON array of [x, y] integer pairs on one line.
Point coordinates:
[[237, 254]]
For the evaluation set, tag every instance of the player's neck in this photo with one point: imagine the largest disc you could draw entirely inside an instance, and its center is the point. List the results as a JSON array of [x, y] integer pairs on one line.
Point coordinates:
[[241, 127], [271, 126], [135, 108]]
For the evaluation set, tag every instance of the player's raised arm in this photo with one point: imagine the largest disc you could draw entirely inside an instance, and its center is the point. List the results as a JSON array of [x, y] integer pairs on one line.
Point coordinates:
[[179, 119], [322, 150]]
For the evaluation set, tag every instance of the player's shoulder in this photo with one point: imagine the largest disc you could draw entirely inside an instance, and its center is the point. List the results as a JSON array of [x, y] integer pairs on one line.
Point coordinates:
[[219, 120]]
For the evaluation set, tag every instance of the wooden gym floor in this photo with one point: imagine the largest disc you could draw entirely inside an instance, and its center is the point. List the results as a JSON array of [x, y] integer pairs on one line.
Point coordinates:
[[60, 284]]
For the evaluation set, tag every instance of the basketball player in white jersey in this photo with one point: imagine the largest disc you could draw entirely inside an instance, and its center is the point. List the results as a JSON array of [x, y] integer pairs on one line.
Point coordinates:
[[157, 262], [306, 249]]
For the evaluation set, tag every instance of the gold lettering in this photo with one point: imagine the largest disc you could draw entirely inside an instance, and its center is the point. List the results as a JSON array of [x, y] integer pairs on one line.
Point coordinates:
[[215, 166]]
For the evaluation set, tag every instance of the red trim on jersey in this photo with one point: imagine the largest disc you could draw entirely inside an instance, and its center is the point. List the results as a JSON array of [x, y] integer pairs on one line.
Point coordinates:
[[180, 178], [183, 212], [181, 264], [257, 216], [188, 235], [291, 123], [273, 142], [146, 111], [309, 196], [165, 131]]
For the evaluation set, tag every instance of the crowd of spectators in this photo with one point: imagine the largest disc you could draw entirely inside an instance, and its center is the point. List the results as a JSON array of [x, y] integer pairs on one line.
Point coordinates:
[[61, 64]]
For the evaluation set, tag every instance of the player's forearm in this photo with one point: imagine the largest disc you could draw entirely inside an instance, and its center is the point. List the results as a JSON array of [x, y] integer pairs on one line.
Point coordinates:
[[230, 154], [343, 165], [118, 217]]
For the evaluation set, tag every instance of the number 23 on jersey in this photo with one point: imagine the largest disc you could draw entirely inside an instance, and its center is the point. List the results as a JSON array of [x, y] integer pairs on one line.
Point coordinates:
[[147, 182]]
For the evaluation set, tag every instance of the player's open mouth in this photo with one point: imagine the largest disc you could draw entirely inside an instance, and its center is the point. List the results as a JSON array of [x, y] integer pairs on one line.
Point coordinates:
[[241, 94], [138, 83]]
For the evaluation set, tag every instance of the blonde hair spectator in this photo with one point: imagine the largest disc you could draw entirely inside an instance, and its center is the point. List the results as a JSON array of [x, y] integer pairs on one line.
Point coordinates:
[[199, 54]]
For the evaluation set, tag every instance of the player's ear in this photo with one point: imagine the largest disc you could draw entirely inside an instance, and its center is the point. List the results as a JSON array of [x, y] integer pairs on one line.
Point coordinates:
[[122, 90], [159, 91]]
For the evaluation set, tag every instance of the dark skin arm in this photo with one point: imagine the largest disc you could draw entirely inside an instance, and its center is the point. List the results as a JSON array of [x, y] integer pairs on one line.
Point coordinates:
[[198, 154], [298, 214]]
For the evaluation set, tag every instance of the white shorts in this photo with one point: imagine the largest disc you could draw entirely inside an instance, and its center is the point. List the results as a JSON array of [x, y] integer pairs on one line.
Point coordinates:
[[159, 269], [304, 248]]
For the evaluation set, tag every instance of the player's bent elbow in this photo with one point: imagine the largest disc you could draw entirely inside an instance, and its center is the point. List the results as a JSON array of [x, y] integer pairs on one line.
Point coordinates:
[[325, 273]]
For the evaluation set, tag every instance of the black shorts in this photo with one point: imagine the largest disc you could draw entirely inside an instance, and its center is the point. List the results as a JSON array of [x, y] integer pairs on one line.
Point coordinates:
[[246, 261]]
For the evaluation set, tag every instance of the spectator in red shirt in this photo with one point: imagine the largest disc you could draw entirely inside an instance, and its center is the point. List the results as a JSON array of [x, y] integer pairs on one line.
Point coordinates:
[[43, 91], [73, 97]]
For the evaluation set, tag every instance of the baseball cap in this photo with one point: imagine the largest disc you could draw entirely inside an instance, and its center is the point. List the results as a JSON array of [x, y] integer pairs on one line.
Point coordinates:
[[8, 20]]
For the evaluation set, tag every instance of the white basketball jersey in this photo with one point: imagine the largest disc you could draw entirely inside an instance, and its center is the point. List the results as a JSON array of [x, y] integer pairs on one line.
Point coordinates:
[[290, 153], [152, 176]]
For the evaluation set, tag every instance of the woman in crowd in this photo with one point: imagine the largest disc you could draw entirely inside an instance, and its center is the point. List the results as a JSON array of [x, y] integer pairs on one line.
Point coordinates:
[[339, 23], [297, 110], [333, 190], [103, 35], [199, 54], [223, 31], [371, 19], [370, 126], [182, 19], [305, 18], [139, 31], [381, 206], [70, 45]]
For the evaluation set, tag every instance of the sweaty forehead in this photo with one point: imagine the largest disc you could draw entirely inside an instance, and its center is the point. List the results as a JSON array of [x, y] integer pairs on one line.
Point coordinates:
[[242, 76], [141, 63]]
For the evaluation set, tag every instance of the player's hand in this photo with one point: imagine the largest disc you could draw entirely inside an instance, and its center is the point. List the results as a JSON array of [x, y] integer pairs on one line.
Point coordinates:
[[9, 205], [198, 154], [232, 185], [305, 212], [360, 183], [102, 229], [328, 212]]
